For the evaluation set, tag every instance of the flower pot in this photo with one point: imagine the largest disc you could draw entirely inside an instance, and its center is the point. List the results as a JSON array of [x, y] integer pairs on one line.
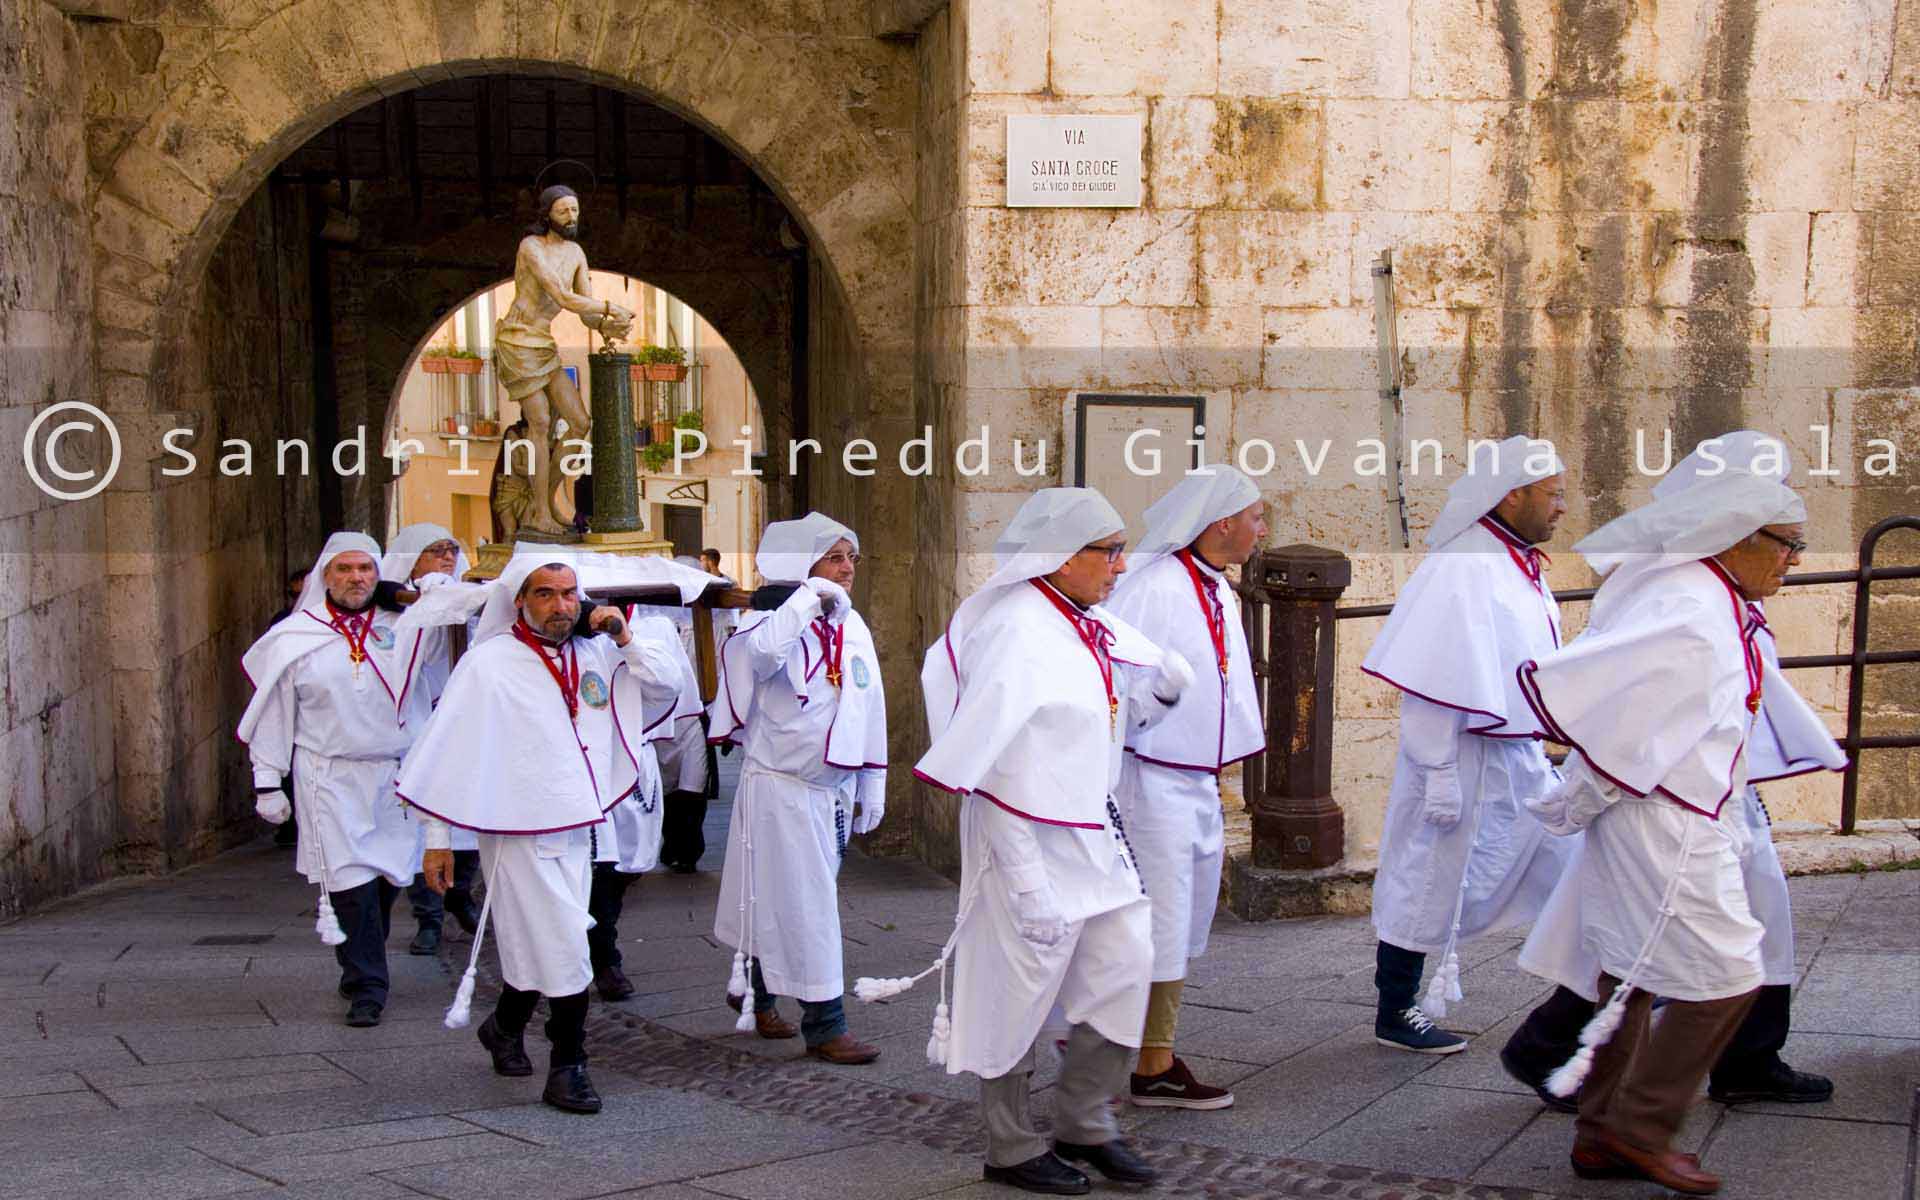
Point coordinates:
[[435, 364], [465, 366], [663, 433], [486, 428], [450, 425], [666, 372]]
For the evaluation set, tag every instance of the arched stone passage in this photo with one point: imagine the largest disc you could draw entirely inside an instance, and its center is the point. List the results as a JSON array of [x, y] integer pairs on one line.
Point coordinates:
[[822, 116]]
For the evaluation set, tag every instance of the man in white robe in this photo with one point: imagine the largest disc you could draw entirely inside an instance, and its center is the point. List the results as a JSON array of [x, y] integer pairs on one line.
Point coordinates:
[[1459, 856], [1176, 592], [637, 821], [1750, 1069], [423, 556], [333, 708], [1030, 697], [800, 691], [1660, 697], [529, 749]]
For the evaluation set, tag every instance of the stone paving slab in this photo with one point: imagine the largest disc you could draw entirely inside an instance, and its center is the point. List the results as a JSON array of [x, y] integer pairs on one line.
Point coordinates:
[[241, 1080]]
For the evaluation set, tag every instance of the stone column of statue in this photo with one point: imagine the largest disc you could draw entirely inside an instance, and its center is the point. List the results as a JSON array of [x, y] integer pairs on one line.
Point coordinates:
[[549, 274]]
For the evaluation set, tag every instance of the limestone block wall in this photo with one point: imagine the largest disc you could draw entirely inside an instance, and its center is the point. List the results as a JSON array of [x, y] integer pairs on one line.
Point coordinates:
[[1604, 218], [58, 829], [220, 544]]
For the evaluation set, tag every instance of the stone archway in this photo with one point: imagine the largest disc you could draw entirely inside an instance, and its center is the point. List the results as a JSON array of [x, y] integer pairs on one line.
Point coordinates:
[[822, 115]]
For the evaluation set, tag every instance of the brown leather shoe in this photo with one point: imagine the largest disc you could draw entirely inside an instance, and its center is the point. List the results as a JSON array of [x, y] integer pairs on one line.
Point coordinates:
[[1591, 1162], [772, 1026], [1670, 1168], [844, 1051]]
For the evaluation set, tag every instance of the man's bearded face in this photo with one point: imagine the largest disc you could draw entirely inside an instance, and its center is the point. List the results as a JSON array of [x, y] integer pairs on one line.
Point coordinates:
[[350, 578], [550, 603], [564, 218]]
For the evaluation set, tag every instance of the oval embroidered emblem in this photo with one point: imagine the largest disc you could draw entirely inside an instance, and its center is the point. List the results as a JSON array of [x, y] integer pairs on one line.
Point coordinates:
[[593, 690], [860, 676], [382, 637]]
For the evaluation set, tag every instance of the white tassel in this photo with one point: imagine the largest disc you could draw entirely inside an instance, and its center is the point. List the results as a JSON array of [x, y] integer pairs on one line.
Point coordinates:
[[870, 988], [1453, 978], [326, 924], [744, 1023], [1568, 1076], [942, 1030], [737, 982], [460, 1012], [1435, 1003]]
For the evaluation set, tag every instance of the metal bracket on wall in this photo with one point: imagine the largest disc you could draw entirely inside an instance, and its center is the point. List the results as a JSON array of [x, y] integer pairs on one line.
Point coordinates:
[[1393, 417]]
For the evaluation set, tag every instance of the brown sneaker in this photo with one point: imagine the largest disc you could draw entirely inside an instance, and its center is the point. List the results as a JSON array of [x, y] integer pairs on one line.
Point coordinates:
[[843, 1051], [1176, 1087], [772, 1026]]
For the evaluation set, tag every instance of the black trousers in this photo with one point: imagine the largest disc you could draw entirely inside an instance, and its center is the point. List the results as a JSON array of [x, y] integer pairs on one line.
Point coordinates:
[[366, 917], [605, 900], [682, 840], [566, 1022], [1551, 1033], [429, 906], [1396, 975]]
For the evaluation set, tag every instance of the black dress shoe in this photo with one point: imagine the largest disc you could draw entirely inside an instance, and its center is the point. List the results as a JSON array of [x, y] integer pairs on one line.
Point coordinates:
[[509, 1053], [684, 868], [1044, 1173], [613, 984], [425, 941], [1517, 1070], [364, 1014], [569, 1090], [1782, 1085], [1115, 1160]]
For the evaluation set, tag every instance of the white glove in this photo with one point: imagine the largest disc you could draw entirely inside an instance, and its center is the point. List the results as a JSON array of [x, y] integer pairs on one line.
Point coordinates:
[[1442, 805], [273, 807], [1172, 679], [871, 810], [835, 604], [431, 580], [1037, 916]]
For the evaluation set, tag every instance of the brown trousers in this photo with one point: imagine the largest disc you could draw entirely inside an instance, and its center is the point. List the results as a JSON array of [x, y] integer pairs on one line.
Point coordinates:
[[1643, 1080]]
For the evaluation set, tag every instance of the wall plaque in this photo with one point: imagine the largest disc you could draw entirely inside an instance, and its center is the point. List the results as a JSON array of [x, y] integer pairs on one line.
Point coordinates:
[[1073, 161]]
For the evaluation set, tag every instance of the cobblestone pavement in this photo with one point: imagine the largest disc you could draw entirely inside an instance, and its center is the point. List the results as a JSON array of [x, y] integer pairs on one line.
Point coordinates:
[[181, 1038]]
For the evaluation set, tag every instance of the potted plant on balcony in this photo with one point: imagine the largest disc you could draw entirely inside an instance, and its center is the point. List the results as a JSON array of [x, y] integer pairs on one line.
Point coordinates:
[[664, 364], [655, 456], [691, 420], [437, 360], [464, 362]]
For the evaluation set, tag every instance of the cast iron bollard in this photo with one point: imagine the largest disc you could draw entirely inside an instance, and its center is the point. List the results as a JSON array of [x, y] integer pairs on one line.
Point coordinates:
[[1297, 825], [616, 504]]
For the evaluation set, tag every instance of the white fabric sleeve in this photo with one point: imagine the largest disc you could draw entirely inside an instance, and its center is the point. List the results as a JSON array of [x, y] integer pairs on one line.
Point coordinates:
[[769, 642], [1015, 850], [439, 833], [1576, 801], [1430, 733], [656, 667], [272, 746]]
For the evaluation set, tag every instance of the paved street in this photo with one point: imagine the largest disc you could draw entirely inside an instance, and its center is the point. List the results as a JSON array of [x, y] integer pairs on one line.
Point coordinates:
[[182, 1038]]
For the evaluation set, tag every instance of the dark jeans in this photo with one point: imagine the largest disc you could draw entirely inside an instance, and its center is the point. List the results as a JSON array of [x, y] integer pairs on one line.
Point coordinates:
[[821, 1021], [566, 1022], [605, 900], [429, 906], [1551, 1033], [682, 841], [1396, 975], [366, 917]]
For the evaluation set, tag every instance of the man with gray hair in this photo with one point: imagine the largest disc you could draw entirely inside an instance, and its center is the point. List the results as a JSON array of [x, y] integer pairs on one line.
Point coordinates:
[[1031, 695], [1660, 699]]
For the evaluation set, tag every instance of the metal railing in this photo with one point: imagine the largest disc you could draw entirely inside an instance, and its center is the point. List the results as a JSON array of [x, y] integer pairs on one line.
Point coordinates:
[[1862, 578]]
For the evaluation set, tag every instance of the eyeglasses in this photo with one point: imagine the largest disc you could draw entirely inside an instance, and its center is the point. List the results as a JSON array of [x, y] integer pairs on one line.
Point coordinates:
[[839, 559], [1793, 545], [1113, 552]]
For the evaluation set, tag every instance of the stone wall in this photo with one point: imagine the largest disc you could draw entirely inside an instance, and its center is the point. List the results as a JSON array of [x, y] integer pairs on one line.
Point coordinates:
[[58, 829], [1603, 217], [222, 540]]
